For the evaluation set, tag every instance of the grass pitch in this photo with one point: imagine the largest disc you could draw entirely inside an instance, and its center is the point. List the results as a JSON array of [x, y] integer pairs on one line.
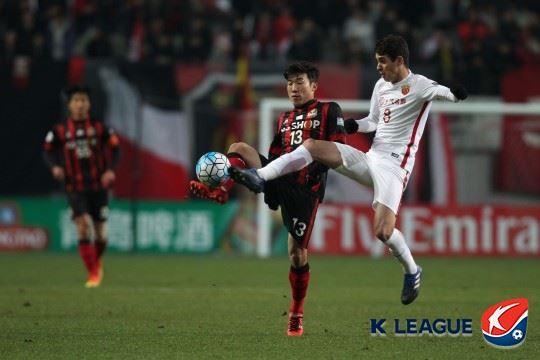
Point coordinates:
[[222, 307]]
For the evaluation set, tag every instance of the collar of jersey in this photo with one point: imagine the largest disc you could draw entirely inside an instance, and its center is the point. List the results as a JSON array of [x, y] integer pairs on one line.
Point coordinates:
[[305, 104], [404, 80]]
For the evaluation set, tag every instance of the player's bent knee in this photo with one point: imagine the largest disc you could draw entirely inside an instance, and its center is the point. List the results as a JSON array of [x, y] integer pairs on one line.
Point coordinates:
[[295, 260], [101, 237], [309, 144], [298, 259], [384, 233], [83, 226], [239, 147]]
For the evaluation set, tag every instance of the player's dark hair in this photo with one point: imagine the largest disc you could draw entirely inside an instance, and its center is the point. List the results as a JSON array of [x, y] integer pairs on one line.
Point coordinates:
[[77, 89], [393, 46], [302, 67]]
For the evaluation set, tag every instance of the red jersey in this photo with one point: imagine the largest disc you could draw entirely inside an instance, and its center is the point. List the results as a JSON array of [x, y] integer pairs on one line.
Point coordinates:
[[314, 120], [82, 149]]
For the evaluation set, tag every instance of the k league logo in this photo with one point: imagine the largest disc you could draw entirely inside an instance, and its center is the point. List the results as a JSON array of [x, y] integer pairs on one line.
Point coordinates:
[[504, 324]]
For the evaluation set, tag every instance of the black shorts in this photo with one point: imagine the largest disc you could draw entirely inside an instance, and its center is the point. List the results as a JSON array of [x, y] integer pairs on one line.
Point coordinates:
[[94, 203], [298, 206]]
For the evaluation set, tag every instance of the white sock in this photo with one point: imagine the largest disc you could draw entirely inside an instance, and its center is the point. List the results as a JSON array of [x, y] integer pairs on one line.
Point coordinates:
[[285, 164], [401, 252]]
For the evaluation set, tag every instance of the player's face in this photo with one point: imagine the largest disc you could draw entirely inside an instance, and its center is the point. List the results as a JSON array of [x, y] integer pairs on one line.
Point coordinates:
[[391, 71], [300, 89], [79, 106]]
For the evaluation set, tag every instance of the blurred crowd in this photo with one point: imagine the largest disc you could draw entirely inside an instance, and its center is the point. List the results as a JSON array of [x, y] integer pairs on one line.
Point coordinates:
[[477, 39]]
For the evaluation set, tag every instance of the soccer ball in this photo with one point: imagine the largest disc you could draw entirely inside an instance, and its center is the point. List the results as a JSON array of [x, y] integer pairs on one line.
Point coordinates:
[[212, 168]]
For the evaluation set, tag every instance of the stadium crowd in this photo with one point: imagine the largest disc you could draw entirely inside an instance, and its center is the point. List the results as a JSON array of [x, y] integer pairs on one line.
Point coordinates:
[[475, 39]]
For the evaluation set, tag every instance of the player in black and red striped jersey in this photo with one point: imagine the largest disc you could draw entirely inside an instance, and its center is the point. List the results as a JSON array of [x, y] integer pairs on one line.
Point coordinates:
[[399, 110], [297, 194], [83, 153]]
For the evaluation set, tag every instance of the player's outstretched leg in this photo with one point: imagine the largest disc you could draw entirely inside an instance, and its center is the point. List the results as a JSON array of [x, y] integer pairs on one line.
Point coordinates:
[[248, 177], [411, 286], [200, 190]]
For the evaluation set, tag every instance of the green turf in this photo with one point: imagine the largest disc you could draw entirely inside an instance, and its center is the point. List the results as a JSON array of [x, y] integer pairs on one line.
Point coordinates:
[[229, 307]]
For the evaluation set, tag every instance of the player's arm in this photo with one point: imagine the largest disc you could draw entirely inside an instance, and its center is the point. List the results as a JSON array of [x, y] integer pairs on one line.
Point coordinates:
[[275, 149], [369, 123], [111, 140], [434, 91], [50, 154], [364, 125], [335, 130]]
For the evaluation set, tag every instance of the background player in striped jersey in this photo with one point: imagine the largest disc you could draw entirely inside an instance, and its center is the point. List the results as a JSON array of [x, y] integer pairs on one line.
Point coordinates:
[[83, 152], [399, 109], [299, 193]]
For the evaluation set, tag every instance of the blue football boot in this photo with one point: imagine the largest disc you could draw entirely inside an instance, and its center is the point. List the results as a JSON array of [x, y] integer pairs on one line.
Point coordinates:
[[248, 177], [411, 287]]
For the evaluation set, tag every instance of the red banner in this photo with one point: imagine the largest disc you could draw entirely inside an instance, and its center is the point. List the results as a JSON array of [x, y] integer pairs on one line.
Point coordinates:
[[439, 231], [23, 238], [519, 170]]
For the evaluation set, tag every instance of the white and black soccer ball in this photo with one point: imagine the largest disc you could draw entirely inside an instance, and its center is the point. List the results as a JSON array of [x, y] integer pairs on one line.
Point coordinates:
[[517, 334], [212, 168]]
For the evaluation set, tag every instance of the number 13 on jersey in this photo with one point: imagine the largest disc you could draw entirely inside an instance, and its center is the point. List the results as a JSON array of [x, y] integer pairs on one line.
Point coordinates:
[[296, 137]]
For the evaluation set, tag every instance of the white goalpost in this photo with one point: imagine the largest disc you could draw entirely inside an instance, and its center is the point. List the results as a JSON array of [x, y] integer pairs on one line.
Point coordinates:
[[269, 107]]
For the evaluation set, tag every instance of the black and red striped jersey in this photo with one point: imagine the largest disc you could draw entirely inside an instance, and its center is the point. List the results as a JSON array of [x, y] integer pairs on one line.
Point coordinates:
[[85, 149], [314, 120]]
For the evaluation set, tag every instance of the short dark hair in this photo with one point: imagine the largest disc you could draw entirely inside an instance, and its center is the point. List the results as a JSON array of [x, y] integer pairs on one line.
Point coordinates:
[[393, 46], [302, 67], [76, 89]]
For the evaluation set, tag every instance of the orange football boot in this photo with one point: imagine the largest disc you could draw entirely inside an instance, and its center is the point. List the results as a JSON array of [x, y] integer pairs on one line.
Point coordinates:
[[295, 327], [217, 194]]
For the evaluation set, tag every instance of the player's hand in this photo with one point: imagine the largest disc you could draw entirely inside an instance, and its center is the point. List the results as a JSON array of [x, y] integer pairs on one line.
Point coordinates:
[[107, 179], [351, 126], [459, 92], [58, 173]]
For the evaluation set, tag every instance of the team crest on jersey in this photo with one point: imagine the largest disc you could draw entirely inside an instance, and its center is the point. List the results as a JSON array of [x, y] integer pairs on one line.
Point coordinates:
[[312, 113], [405, 89], [504, 325]]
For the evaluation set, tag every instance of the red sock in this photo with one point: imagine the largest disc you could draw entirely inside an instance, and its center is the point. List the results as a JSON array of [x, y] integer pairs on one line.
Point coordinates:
[[88, 255], [299, 279], [236, 161], [100, 247]]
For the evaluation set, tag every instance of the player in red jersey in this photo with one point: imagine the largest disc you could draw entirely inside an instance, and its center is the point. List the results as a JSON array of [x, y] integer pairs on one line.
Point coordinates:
[[297, 194], [83, 152]]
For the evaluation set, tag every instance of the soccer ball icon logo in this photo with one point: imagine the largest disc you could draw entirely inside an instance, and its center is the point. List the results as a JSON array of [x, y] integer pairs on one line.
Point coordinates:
[[212, 168], [504, 325]]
